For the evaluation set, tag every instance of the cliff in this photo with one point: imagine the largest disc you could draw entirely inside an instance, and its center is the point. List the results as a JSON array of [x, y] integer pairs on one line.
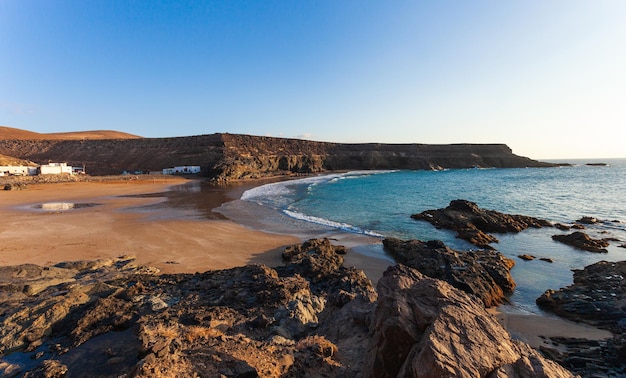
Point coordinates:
[[226, 157]]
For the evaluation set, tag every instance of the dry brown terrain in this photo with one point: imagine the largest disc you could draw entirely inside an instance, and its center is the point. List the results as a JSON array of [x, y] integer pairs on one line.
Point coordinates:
[[13, 133], [8, 160]]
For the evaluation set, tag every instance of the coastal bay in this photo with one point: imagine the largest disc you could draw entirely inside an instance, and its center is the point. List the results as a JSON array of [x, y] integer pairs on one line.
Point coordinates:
[[172, 225]]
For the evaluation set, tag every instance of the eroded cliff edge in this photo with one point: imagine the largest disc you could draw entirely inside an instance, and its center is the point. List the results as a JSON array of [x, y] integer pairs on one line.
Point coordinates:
[[228, 157]]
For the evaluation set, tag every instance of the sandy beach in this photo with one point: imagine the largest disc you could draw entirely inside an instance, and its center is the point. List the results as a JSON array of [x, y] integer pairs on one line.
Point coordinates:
[[116, 225], [117, 222]]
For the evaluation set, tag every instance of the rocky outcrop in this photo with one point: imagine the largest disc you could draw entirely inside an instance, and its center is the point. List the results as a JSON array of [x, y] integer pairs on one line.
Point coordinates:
[[424, 327], [583, 241], [484, 274], [597, 297], [589, 358], [226, 157], [112, 317], [473, 223], [311, 317]]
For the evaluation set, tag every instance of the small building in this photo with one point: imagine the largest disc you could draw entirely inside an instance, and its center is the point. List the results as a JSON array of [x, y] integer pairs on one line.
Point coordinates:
[[78, 170], [55, 169], [18, 170], [182, 170]]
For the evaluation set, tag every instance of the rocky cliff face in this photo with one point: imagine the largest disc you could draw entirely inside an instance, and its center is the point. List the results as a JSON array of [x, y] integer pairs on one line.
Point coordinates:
[[231, 157]]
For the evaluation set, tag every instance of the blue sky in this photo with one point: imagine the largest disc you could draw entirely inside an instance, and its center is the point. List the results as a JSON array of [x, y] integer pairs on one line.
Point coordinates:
[[548, 78]]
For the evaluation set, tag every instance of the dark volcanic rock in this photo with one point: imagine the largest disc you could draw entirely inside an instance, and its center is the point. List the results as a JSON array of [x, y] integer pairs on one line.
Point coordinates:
[[589, 358], [423, 327], [597, 297], [485, 273], [309, 318], [588, 220], [582, 241], [226, 157], [526, 257], [472, 223]]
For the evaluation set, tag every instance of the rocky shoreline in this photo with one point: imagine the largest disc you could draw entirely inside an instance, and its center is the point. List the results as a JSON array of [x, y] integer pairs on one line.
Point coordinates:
[[310, 317]]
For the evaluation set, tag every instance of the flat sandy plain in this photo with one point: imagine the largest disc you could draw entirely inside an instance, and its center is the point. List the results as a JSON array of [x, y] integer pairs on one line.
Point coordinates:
[[120, 225]]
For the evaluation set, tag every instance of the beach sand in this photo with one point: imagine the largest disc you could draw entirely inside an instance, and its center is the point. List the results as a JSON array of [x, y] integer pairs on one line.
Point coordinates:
[[120, 224]]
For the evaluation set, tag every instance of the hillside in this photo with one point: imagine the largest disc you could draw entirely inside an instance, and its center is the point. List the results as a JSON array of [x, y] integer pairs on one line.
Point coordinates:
[[10, 133], [226, 157], [8, 160]]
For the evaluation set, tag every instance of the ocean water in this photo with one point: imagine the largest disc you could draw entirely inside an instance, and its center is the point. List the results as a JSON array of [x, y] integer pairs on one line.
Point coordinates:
[[371, 205]]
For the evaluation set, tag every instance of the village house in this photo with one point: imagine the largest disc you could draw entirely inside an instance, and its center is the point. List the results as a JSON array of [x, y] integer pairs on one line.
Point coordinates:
[[182, 170], [18, 170], [55, 169]]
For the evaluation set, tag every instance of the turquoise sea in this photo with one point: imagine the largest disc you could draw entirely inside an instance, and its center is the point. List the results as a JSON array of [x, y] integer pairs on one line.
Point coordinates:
[[372, 205]]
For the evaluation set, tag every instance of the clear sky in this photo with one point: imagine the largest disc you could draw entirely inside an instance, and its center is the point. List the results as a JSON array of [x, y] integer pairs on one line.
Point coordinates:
[[546, 77]]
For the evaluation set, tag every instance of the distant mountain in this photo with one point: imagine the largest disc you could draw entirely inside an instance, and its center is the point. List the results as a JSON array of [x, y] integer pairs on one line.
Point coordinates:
[[10, 133]]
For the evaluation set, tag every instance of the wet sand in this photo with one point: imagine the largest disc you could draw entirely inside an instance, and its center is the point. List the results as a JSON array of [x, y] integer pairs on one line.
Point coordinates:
[[118, 224]]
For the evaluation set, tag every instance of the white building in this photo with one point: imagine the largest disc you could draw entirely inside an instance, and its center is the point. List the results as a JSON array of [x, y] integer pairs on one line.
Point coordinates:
[[55, 169], [182, 170], [17, 170]]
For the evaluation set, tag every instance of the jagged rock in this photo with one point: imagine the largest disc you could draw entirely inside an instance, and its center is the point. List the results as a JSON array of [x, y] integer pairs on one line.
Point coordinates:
[[526, 257], [485, 274], [472, 223], [424, 327], [244, 321], [583, 241], [546, 259], [589, 358], [597, 297], [588, 220]]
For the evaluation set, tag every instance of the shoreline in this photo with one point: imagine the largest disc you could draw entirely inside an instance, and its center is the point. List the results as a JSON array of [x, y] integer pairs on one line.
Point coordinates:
[[176, 241], [120, 225]]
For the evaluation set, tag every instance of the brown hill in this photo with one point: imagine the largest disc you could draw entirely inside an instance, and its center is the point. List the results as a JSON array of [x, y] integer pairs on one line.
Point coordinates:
[[227, 157], [11, 161], [10, 133]]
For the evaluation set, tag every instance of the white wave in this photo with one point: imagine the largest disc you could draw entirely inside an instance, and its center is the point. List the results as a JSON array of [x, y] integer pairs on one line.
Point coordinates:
[[326, 222], [286, 188]]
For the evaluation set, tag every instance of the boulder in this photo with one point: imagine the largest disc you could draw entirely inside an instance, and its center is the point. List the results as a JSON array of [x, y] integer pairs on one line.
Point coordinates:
[[597, 297], [588, 220], [526, 257], [472, 223], [424, 327], [582, 241], [484, 274]]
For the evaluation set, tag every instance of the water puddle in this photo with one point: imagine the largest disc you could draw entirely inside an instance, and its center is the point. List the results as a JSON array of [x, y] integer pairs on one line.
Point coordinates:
[[63, 206]]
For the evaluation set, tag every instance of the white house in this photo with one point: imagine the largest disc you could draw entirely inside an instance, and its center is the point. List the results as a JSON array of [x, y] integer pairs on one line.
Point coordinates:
[[55, 169], [185, 169], [17, 170]]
